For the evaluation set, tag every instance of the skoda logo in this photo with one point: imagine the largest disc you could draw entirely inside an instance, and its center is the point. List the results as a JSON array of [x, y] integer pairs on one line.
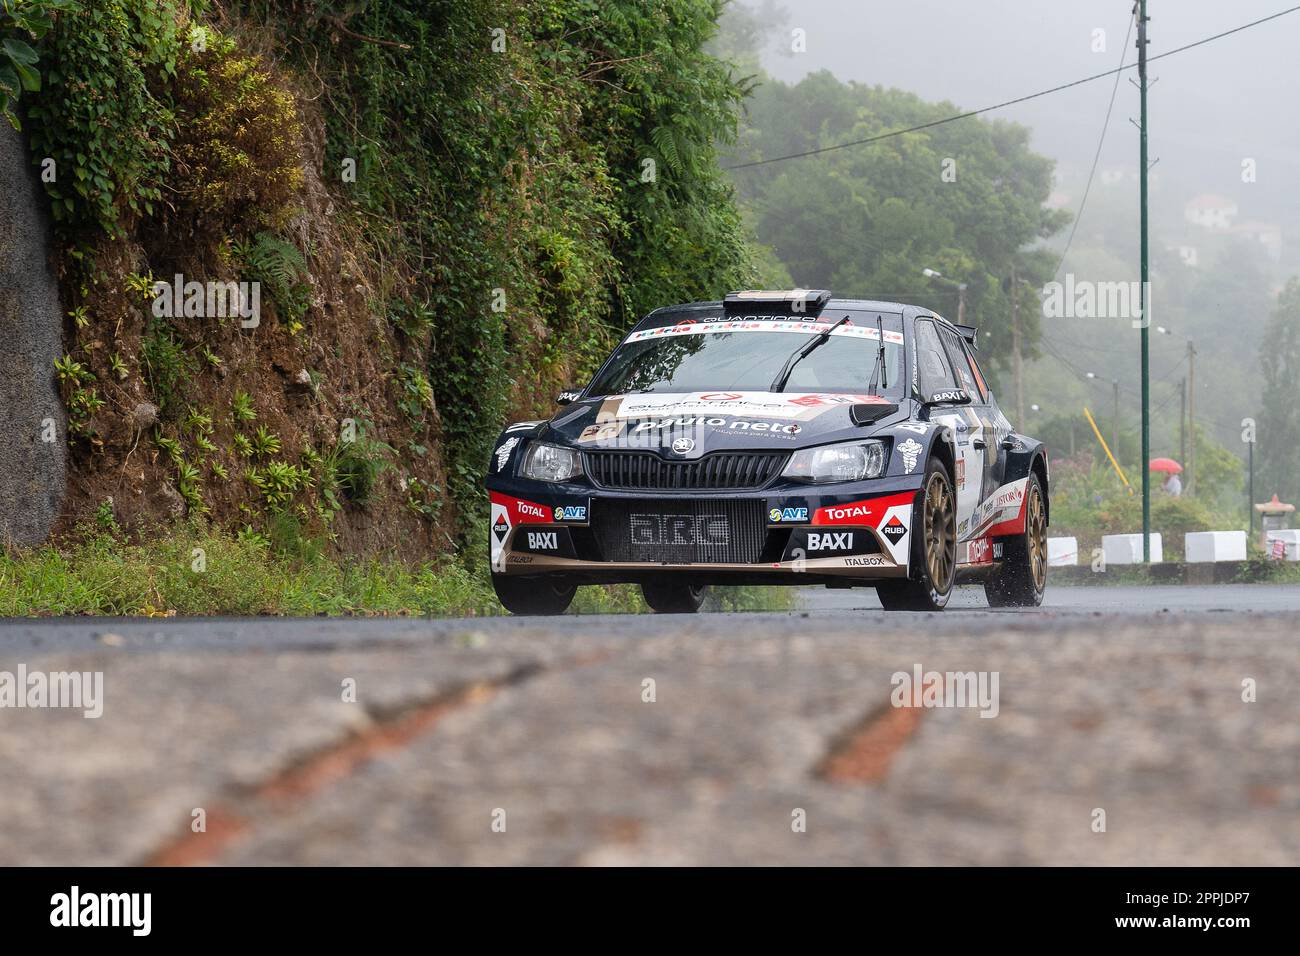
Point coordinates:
[[683, 445]]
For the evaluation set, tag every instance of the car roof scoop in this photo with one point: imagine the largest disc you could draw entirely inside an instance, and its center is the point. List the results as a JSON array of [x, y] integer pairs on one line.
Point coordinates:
[[864, 413]]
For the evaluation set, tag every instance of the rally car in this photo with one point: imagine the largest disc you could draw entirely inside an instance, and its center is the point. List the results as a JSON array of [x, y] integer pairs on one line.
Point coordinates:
[[774, 438]]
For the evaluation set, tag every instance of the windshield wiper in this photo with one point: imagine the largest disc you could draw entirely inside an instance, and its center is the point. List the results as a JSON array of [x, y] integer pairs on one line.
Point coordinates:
[[820, 339], [880, 362]]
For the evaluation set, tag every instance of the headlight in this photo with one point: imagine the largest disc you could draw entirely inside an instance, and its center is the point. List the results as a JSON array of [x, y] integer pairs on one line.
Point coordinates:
[[551, 462], [851, 462]]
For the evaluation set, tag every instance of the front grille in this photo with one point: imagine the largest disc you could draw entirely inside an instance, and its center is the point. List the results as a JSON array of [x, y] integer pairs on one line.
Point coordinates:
[[680, 531], [719, 471]]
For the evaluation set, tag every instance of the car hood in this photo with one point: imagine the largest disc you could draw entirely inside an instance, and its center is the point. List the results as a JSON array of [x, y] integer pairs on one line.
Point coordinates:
[[686, 425]]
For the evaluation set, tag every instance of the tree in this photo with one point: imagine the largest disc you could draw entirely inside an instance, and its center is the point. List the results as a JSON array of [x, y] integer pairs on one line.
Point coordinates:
[[962, 198], [1278, 436]]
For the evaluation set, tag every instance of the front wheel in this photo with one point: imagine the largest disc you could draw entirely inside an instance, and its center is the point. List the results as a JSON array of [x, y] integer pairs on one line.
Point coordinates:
[[533, 595], [1022, 577], [673, 598], [933, 550]]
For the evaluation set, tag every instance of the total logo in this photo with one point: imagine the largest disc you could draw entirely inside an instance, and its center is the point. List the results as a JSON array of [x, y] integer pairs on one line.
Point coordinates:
[[570, 512], [850, 511], [830, 541], [530, 510], [788, 514]]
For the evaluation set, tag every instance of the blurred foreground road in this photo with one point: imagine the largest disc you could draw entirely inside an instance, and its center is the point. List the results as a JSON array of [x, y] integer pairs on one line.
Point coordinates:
[[1126, 700]]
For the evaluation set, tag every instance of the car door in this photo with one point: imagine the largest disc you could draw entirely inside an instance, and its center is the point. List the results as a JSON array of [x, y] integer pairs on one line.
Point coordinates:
[[936, 375], [981, 435]]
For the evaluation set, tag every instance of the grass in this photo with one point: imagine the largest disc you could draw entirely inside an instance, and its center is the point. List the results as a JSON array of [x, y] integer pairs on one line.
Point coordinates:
[[198, 571]]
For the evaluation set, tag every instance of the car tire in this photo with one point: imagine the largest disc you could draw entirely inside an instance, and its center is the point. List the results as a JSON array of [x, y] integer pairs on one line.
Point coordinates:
[[671, 598], [533, 595], [933, 563], [1021, 578]]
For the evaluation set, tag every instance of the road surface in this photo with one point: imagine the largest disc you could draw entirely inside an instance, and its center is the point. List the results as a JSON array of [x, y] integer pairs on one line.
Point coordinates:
[[713, 739]]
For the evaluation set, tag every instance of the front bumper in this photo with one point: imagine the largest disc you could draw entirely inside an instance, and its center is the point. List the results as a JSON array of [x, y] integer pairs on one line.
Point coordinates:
[[789, 533]]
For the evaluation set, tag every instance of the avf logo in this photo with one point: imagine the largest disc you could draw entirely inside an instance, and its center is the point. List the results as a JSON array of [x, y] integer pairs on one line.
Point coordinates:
[[788, 514], [570, 512]]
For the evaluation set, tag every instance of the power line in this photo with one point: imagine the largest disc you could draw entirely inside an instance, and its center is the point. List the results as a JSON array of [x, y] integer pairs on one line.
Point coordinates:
[[1006, 103], [1101, 140]]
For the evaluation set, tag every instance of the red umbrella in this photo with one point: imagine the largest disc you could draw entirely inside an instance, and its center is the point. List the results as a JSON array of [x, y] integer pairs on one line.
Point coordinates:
[[1166, 464]]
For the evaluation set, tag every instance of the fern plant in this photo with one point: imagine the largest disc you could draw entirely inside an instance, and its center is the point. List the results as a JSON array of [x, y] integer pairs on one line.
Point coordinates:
[[281, 269]]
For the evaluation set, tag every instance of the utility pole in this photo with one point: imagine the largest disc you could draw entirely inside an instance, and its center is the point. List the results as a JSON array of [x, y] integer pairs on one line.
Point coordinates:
[[1250, 489], [1114, 422], [1143, 169], [1191, 417], [1182, 422], [961, 303], [1017, 361]]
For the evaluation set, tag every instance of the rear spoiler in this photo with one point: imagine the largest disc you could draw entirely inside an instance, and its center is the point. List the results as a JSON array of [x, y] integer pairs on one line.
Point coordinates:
[[967, 332], [783, 302]]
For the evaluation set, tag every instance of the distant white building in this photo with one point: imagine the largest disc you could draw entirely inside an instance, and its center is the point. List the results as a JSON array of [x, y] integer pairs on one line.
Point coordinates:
[[1267, 234], [1210, 211]]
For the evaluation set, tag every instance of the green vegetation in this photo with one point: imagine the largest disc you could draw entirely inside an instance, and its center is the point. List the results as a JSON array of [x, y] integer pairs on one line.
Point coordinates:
[[965, 199], [21, 21], [281, 269], [1088, 501], [532, 190], [246, 573]]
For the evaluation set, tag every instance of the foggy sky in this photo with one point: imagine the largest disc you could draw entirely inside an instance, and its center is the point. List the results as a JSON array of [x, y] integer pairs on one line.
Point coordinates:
[[1211, 107]]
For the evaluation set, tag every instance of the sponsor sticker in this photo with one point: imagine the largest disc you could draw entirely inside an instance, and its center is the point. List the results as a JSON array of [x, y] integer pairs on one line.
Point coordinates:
[[909, 449], [830, 541], [543, 541], [526, 509], [755, 324], [503, 453], [570, 512], [661, 529], [894, 530], [788, 514], [734, 405]]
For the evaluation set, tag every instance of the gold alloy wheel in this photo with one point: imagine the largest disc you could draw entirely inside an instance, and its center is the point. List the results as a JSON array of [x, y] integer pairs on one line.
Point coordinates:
[[940, 550], [1036, 528]]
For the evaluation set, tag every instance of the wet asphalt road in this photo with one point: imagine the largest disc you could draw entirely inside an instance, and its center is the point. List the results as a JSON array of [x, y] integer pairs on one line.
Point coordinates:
[[719, 738]]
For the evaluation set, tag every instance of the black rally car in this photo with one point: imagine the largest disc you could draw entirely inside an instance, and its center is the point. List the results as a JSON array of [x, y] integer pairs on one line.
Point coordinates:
[[774, 438]]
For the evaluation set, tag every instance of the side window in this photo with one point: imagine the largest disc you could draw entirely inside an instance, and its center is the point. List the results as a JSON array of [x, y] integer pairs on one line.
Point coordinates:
[[967, 375], [931, 359], [979, 376]]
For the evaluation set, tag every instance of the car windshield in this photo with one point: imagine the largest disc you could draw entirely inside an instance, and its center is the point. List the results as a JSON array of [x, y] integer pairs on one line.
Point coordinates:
[[750, 354]]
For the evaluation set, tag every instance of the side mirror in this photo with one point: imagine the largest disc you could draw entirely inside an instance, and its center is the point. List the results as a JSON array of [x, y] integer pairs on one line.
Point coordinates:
[[568, 396], [954, 396]]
